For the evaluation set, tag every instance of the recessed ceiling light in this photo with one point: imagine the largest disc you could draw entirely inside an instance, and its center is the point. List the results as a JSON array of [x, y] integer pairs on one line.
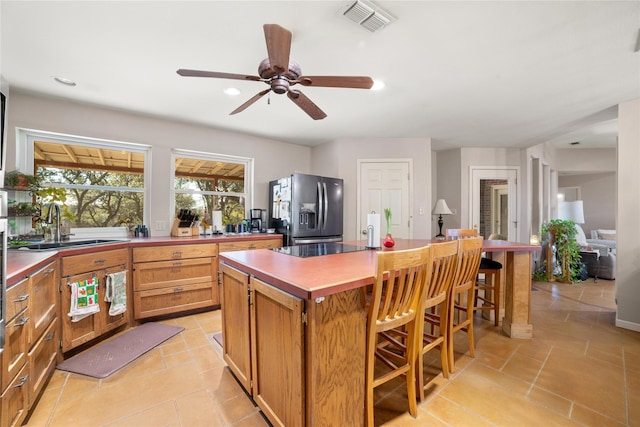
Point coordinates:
[[377, 85], [232, 91], [64, 81]]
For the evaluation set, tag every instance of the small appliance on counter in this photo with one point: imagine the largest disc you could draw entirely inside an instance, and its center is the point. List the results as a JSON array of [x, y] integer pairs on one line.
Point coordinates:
[[258, 221]]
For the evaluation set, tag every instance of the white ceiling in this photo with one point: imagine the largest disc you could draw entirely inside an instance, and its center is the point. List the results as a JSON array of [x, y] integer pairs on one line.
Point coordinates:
[[481, 74]]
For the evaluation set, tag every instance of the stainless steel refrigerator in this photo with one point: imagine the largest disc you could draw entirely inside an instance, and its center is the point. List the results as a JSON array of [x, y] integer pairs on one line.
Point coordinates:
[[306, 208]]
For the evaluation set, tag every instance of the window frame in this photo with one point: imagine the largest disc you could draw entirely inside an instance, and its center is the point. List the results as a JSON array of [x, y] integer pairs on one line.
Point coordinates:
[[25, 156], [247, 162]]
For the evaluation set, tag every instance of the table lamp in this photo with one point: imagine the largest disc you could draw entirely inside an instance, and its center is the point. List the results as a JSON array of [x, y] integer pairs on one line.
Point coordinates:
[[440, 209]]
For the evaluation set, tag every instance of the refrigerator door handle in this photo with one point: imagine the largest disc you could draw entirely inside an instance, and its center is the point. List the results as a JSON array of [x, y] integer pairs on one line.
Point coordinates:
[[325, 212], [320, 207]]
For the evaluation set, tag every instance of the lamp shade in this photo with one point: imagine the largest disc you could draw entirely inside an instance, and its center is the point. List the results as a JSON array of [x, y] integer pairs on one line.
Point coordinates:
[[441, 208], [571, 211]]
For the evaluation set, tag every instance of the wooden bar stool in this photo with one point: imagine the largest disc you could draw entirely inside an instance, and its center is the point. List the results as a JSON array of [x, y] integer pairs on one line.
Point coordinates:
[[489, 297], [401, 280]]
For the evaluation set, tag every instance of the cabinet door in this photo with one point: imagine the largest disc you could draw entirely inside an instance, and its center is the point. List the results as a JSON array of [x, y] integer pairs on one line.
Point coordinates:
[[42, 360], [277, 337], [14, 356], [14, 402], [44, 302], [235, 324], [82, 331], [109, 322]]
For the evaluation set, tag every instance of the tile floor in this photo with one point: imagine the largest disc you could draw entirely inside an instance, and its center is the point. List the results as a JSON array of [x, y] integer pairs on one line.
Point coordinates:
[[579, 369]]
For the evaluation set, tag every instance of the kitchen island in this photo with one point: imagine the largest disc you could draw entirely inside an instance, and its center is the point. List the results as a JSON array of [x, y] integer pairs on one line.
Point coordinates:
[[298, 324]]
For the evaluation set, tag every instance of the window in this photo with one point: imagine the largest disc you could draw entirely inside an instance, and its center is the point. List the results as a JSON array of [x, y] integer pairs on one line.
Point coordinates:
[[98, 184], [206, 182]]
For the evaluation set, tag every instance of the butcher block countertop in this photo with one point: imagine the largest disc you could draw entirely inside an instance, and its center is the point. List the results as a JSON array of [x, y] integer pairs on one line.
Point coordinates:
[[319, 276], [22, 263]]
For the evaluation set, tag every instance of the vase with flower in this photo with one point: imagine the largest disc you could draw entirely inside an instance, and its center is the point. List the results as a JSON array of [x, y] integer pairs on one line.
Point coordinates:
[[388, 241]]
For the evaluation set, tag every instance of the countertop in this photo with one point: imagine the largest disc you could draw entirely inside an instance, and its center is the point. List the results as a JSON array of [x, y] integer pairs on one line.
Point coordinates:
[[319, 276], [22, 263]]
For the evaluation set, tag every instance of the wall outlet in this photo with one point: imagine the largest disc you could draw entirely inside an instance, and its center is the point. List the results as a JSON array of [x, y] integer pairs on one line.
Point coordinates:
[[161, 225]]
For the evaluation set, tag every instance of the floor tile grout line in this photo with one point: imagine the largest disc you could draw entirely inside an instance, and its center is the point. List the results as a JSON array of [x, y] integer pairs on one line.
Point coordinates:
[[544, 362]]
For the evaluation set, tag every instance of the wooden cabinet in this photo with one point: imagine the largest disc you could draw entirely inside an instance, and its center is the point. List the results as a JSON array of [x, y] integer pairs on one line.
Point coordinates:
[[33, 342], [263, 335], [250, 244], [77, 268], [44, 327], [175, 278]]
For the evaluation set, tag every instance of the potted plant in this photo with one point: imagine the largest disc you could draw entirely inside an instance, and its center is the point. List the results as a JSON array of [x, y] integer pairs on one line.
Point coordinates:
[[17, 180], [560, 235], [388, 240]]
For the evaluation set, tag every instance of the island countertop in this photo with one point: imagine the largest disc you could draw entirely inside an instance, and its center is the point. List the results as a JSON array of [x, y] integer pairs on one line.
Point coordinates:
[[319, 276]]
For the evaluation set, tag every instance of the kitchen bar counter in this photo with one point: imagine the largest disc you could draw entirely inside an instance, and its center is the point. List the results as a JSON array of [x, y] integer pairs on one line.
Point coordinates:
[[268, 351], [320, 276], [20, 263]]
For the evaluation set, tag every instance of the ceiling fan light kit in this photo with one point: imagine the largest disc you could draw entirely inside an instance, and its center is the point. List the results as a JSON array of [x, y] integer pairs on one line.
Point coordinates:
[[280, 73]]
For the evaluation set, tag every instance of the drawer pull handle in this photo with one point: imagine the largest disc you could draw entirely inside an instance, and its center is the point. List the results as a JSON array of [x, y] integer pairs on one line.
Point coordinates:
[[50, 336], [178, 289], [22, 298], [252, 246], [22, 382], [177, 253], [22, 321], [100, 261], [49, 271]]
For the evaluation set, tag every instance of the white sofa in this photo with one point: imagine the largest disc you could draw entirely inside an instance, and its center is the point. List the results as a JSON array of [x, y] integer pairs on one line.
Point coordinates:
[[601, 237]]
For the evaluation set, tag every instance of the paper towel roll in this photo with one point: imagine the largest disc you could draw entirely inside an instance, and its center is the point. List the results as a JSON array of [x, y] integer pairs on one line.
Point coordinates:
[[373, 230], [216, 221]]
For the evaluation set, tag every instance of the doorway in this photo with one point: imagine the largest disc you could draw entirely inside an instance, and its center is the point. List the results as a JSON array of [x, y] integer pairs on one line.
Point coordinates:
[[385, 184], [494, 201]]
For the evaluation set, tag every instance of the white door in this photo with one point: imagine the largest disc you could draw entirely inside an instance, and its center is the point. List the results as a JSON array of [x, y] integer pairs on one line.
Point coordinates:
[[385, 184], [485, 173]]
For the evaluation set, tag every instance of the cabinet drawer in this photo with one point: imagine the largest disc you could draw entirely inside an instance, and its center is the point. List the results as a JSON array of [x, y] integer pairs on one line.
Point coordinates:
[[42, 359], [249, 244], [159, 302], [17, 299], [77, 264], [174, 252], [165, 274], [44, 300], [14, 355], [15, 400]]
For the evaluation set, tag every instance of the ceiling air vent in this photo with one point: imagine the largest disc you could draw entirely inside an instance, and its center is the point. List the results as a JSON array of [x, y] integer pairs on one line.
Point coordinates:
[[367, 15]]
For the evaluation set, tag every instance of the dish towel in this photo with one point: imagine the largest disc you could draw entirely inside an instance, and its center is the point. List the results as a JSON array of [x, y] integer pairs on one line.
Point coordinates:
[[116, 292], [84, 299]]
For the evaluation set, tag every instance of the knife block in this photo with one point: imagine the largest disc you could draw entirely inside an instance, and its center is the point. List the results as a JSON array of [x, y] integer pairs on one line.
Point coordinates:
[[177, 231]]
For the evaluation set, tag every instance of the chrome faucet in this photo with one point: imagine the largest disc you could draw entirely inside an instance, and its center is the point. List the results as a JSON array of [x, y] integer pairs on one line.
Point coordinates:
[[58, 236]]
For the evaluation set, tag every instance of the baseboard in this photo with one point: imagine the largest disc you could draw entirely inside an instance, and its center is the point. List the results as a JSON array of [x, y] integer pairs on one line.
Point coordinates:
[[628, 325]]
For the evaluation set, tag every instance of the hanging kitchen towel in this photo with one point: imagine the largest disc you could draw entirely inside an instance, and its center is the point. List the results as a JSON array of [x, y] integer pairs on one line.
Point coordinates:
[[116, 292], [84, 299]]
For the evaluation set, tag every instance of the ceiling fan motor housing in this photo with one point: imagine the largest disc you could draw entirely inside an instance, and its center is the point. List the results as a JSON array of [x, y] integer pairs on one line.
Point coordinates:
[[279, 81]]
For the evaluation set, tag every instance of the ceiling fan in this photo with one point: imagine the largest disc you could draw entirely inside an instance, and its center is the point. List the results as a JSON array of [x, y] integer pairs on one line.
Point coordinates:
[[281, 73]]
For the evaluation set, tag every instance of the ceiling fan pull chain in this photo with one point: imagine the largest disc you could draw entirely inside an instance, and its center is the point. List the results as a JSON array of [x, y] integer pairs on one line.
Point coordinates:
[[269, 99]]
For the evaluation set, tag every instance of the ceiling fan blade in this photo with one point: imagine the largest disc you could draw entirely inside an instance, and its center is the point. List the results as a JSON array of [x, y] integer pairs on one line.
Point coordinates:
[[251, 101], [278, 46], [214, 74], [355, 82], [306, 104]]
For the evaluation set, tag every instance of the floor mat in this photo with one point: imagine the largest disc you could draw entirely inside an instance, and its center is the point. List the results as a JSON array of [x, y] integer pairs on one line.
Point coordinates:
[[106, 358], [218, 338]]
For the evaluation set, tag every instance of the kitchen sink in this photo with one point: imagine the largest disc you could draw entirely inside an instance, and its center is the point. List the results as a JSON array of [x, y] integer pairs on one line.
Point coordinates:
[[48, 246]]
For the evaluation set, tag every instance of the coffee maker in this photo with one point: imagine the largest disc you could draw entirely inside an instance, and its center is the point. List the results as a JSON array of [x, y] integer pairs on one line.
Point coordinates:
[[257, 220]]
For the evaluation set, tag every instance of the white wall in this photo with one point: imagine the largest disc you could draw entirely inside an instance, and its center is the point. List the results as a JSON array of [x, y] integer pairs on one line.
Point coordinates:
[[273, 159], [598, 192], [339, 159], [628, 201]]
